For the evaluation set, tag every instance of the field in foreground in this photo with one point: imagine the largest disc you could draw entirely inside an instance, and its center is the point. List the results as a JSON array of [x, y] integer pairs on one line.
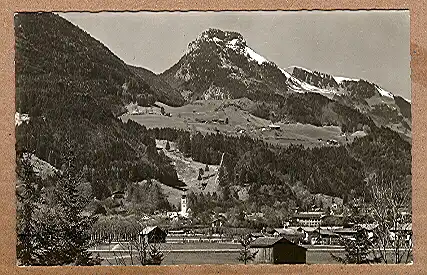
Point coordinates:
[[212, 253], [209, 253], [196, 258]]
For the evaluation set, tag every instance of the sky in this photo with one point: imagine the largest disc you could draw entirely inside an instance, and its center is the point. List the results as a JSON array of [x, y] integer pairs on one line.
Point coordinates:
[[373, 45]]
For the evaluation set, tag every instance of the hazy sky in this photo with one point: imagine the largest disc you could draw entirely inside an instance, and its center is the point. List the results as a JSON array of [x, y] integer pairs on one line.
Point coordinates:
[[373, 45]]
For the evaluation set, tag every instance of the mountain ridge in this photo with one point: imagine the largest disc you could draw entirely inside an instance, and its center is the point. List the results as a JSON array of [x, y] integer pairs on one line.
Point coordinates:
[[220, 65]]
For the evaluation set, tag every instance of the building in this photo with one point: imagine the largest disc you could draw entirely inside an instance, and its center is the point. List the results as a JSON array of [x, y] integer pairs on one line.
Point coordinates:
[[218, 221], [307, 232], [277, 250], [154, 234], [332, 142], [290, 233], [118, 196], [274, 126], [349, 233], [312, 219], [255, 235], [172, 215], [254, 216], [325, 237], [184, 209]]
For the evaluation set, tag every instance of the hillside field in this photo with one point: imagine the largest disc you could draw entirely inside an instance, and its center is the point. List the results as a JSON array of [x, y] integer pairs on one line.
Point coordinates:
[[209, 116]]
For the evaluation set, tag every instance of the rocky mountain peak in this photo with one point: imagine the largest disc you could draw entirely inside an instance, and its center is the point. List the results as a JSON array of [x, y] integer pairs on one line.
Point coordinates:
[[218, 37]]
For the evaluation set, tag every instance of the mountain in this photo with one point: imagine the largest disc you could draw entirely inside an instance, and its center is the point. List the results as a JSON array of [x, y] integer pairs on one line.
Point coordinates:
[[374, 126], [220, 65], [70, 89], [384, 108]]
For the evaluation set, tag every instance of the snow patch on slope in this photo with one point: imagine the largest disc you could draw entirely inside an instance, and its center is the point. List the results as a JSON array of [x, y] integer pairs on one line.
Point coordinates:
[[246, 51], [253, 55], [233, 42], [384, 92], [340, 79], [302, 87], [216, 40]]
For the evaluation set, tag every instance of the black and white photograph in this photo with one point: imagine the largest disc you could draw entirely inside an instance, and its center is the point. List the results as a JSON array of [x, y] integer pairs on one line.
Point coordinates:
[[213, 137]]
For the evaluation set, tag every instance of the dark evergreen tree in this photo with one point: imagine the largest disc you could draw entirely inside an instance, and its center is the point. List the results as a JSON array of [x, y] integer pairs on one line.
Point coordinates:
[[28, 199], [53, 228], [74, 222]]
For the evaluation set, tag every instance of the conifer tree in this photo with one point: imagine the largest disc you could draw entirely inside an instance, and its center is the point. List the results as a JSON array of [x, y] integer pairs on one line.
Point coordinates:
[[28, 199], [76, 224]]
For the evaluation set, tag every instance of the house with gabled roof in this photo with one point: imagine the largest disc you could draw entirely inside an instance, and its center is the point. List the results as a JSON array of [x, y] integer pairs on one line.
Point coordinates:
[[277, 250], [153, 234]]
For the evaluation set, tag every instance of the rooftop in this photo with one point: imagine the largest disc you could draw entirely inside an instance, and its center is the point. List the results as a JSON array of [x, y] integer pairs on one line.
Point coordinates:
[[287, 231], [326, 232], [148, 229], [270, 241], [309, 215]]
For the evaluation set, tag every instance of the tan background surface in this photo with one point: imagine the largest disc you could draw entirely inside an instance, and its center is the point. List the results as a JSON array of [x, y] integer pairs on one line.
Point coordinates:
[[418, 13]]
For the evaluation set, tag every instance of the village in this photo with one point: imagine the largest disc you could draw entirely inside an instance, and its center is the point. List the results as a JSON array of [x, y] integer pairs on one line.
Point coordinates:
[[306, 238], [314, 236]]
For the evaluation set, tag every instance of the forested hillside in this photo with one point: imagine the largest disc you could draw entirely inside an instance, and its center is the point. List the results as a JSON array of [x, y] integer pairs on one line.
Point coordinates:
[[107, 152], [73, 88], [272, 174]]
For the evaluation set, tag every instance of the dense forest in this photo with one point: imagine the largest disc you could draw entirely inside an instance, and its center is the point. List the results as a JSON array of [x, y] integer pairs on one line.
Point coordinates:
[[271, 172]]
